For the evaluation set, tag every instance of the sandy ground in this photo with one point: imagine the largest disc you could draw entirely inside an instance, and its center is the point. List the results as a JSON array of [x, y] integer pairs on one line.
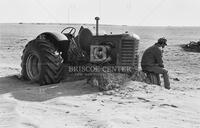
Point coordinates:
[[75, 104]]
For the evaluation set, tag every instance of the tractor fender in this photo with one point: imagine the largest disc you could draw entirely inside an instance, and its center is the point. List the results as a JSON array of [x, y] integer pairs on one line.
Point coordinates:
[[52, 36], [60, 41]]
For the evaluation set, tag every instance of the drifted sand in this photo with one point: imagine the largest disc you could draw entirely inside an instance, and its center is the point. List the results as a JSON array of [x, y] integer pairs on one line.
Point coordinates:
[[76, 104]]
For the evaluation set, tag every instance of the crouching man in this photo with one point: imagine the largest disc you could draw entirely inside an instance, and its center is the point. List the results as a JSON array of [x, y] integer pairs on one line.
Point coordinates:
[[152, 60]]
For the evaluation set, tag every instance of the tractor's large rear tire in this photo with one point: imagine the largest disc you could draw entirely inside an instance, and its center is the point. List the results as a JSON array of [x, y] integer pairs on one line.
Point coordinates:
[[41, 63]]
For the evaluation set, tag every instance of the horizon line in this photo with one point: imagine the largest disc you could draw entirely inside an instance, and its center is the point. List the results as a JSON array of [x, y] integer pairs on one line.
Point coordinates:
[[43, 23]]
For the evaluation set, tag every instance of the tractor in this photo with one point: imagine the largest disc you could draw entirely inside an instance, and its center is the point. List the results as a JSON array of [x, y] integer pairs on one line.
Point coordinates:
[[51, 56]]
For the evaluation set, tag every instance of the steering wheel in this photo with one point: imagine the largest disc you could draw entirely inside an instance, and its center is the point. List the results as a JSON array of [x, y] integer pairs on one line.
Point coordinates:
[[70, 30]]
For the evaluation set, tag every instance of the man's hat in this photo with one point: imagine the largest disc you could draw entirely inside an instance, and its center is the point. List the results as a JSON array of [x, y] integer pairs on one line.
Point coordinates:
[[162, 41]]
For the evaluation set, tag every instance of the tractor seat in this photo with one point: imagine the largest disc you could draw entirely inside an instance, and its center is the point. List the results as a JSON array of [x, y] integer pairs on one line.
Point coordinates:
[[85, 39]]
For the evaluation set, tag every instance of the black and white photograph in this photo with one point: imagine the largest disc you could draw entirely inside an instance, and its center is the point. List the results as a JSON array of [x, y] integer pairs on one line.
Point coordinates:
[[99, 64]]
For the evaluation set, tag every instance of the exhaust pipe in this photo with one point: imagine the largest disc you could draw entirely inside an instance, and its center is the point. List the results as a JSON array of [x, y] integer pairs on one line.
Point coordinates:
[[97, 25]]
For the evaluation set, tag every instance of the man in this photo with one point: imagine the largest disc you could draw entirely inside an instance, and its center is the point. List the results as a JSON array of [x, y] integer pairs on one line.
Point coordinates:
[[152, 60]]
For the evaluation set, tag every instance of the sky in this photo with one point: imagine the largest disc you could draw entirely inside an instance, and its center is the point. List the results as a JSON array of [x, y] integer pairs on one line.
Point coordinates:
[[116, 12]]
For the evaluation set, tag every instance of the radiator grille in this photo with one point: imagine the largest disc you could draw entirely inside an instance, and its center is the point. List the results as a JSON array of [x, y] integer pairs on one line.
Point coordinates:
[[127, 52]]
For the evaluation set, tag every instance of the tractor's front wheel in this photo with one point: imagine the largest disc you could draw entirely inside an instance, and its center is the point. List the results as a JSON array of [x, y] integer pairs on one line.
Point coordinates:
[[41, 63]]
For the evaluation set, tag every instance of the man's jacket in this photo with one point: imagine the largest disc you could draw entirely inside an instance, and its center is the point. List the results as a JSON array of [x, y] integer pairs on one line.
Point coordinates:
[[152, 57]]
